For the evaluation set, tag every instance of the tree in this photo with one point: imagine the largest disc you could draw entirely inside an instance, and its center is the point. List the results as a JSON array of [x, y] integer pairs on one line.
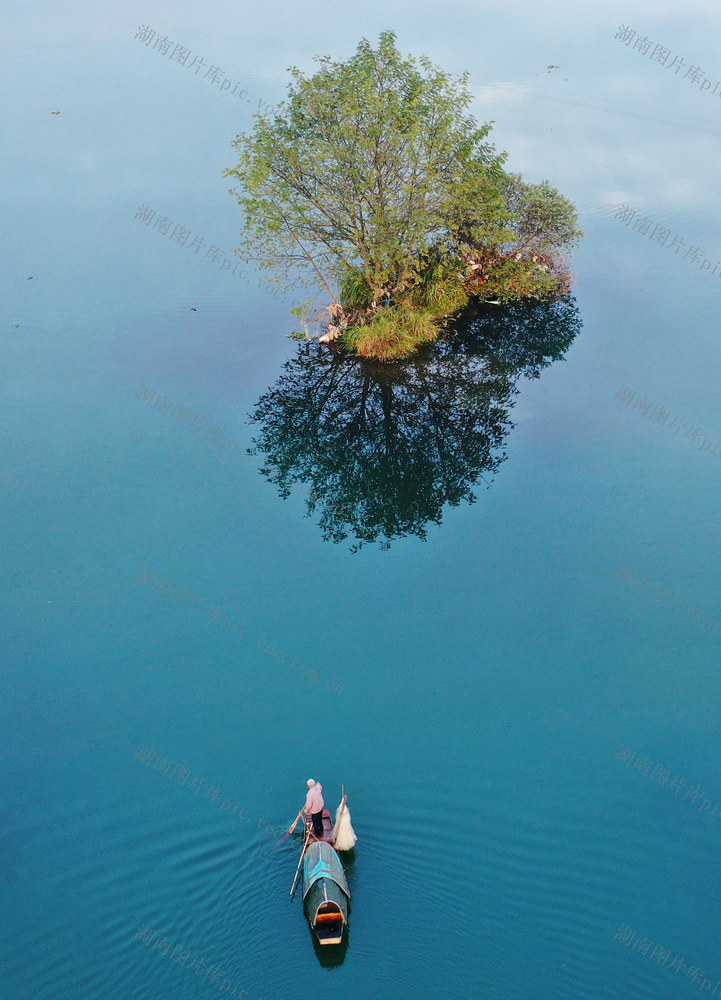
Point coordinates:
[[542, 220], [373, 182], [362, 166]]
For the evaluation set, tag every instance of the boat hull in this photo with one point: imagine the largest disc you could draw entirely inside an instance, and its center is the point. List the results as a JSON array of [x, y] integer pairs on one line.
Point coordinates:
[[325, 893]]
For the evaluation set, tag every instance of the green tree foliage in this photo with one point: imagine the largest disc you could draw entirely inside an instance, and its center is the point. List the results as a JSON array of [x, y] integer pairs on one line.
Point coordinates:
[[374, 183], [542, 219]]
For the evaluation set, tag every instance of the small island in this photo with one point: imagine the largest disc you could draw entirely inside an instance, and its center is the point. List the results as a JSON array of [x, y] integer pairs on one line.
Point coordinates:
[[372, 185]]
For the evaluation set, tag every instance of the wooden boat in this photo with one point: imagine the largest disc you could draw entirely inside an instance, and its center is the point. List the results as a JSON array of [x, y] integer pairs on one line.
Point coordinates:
[[326, 895], [325, 892]]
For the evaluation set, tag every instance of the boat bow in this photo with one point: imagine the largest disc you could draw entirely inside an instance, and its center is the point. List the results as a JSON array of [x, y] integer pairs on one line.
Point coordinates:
[[321, 861]]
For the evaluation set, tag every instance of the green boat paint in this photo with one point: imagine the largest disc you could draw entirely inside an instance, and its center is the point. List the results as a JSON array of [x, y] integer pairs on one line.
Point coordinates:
[[325, 893]]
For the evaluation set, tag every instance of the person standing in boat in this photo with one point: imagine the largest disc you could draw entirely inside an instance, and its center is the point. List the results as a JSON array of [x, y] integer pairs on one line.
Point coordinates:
[[314, 806]]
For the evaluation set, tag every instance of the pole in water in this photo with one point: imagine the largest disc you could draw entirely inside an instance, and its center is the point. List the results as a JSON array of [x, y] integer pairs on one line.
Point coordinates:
[[297, 871]]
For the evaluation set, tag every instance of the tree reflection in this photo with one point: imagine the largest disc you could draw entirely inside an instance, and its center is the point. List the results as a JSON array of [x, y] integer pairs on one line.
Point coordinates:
[[385, 447]]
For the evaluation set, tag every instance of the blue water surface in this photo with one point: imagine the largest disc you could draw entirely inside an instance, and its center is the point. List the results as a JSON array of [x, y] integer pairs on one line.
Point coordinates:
[[523, 708]]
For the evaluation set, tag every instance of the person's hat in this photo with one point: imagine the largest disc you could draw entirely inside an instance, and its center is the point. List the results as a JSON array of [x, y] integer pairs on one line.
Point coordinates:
[[310, 782]]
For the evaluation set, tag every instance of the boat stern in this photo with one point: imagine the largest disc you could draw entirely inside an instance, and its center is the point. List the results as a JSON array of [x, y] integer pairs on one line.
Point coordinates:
[[329, 923]]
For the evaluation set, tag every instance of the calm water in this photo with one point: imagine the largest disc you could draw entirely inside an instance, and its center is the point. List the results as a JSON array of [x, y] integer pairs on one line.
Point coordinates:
[[520, 694]]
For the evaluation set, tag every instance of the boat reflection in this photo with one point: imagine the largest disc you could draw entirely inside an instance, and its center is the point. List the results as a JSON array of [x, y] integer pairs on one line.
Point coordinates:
[[384, 447], [332, 955]]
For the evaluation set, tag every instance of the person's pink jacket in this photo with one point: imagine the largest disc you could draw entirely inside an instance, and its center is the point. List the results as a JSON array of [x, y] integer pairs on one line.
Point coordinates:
[[314, 799]]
